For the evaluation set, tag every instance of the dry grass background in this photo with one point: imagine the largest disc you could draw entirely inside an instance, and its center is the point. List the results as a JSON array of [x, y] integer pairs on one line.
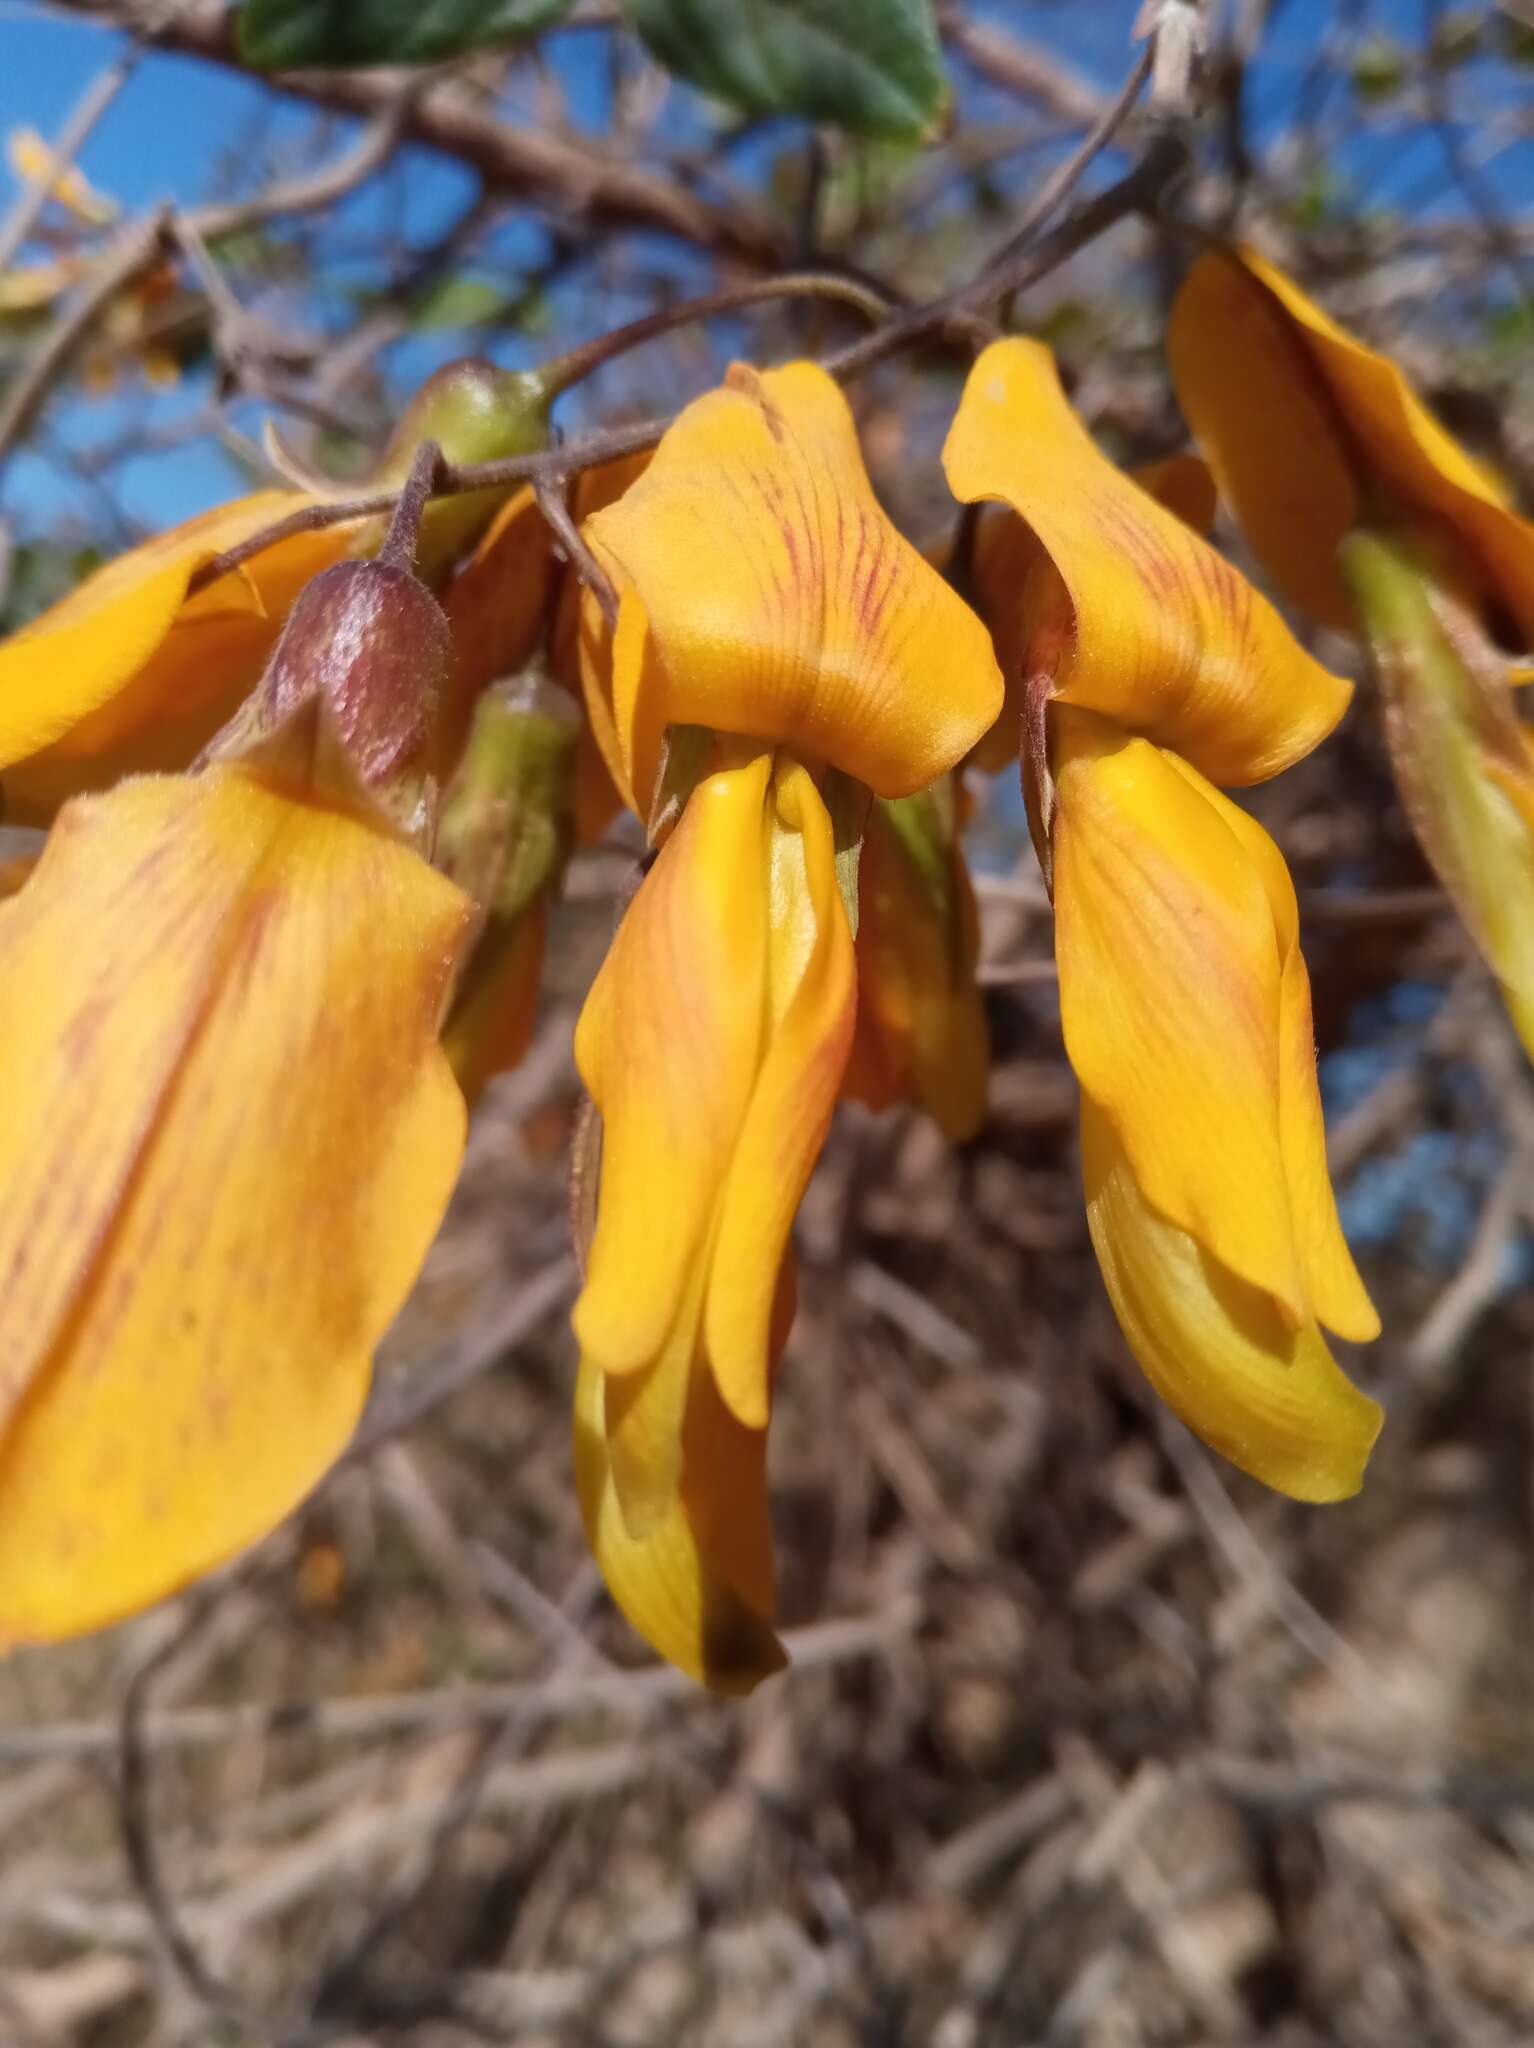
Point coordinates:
[[1088, 1741]]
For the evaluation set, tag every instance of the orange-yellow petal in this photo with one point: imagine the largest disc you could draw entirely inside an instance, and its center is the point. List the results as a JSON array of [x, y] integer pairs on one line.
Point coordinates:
[[1261, 1392], [1308, 430], [1181, 992], [1334, 1290], [491, 1026], [1163, 634], [698, 1584], [810, 999], [669, 1044], [1270, 428], [234, 1143], [1006, 552], [921, 1030], [128, 674], [778, 601], [496, 605]]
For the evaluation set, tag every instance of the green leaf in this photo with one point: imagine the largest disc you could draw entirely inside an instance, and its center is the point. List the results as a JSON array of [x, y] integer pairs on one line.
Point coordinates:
[[871, 66], [284, 35]]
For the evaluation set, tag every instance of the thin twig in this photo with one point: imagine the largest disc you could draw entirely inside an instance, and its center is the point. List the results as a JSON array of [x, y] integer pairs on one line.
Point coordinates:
[[87, 111], [370, 1718], [1062, 182], [132, 251], [137, 1827], [553, 503], [399, 547], [319, 189]]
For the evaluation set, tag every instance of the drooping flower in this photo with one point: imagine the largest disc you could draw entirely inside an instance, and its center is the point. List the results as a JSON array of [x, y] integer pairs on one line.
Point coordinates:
[[1312, 435], [774, 631], [230, 1133], [1130, 612], [921, 1032], [1007, 551], [1184, 997], [1373, 519], [712, 1044], [1186, 1010]]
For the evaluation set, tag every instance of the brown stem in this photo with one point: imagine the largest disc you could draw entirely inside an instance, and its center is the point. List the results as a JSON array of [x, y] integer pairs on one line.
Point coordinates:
[[550, 492], [579, 362], [399, 548]]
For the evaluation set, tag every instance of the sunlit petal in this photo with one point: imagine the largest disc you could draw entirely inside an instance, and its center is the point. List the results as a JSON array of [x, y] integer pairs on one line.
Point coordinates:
[[1159, 631], [1266, 1395], [669, 1044], [1310, 433], [235, 1142], [811, 993], [781, 601], [1006, 553], [127, 674], [1186, 1013], [698, 1584]]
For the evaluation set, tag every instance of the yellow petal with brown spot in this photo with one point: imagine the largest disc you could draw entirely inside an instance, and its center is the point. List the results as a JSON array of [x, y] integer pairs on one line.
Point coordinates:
[[776, 599], [697, 1585], [1163, 634], [235, 1143]]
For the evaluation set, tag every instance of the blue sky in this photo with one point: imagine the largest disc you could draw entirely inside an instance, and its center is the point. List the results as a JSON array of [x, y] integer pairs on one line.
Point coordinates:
[[178, 126]]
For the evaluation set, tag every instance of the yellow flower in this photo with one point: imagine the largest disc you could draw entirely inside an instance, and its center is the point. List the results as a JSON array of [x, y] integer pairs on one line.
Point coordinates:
[[1186, 1010], [129, 673], [1008, 551], [1184, 998], [1130, 612], [921, 1031], [228, 1138], [1311, 435], [763, 591], [1371, 517], [763, 597], [712, 1043], [29, 156]]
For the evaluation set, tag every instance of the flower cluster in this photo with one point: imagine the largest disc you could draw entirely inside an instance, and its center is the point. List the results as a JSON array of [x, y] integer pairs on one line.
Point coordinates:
[[310, 802]]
